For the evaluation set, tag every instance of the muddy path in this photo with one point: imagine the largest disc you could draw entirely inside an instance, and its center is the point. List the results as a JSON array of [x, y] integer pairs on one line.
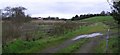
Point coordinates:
[[85, 48], [88, 47], [56, 48]]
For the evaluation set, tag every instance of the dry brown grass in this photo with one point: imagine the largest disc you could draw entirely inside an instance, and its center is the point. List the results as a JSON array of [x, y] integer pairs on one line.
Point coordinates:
[[38, 29]]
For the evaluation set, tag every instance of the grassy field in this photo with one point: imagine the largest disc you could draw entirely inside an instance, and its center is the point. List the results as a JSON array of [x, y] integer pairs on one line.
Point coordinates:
[[50, 34], [39, 44], [99, 19]]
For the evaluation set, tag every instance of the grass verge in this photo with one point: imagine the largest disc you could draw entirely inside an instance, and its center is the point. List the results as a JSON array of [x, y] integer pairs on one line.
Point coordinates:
[[112, 46], [101, 47]]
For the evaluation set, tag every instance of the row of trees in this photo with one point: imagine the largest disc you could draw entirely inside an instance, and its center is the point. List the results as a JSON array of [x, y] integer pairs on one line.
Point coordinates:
[[77, 17], [103, 13], [51, 18]]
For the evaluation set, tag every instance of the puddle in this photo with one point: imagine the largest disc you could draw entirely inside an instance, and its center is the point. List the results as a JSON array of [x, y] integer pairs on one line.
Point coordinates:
[[87, 36]]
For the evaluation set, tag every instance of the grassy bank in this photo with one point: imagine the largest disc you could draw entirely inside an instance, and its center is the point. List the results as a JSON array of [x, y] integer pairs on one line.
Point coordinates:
[[99, 19], [112, 46]]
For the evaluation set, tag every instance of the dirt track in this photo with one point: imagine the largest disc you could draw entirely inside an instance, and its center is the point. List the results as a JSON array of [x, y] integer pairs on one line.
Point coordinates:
[[88, 47], [56, 48], [85, 48]]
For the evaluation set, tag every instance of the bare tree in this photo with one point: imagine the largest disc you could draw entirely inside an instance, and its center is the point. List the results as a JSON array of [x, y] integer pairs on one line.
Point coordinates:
[[16, 20]]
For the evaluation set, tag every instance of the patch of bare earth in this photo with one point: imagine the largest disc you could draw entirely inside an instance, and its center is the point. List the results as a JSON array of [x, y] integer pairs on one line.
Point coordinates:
[[56, 48], [88, 47]]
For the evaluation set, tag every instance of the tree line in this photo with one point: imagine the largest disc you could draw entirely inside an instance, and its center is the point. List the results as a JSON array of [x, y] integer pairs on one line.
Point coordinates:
[[80, 17], [77, 17]]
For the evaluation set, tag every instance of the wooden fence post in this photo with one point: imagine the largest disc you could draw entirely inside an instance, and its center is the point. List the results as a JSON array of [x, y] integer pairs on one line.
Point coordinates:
[[107, 39]]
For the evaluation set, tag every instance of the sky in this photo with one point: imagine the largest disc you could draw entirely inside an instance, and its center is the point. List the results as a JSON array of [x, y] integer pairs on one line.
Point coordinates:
[[58, 8]]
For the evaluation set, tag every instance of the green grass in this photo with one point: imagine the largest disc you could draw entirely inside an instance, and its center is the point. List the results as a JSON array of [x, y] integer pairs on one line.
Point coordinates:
[[101, 47], [97, 27], [113, 45], [21, 46], [99, 19]]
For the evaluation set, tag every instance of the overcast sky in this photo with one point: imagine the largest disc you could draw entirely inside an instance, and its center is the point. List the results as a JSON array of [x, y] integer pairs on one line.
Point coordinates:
[[58, 8]]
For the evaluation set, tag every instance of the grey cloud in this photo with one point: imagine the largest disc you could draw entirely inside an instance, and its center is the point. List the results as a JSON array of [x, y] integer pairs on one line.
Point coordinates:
[[60, 7]]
